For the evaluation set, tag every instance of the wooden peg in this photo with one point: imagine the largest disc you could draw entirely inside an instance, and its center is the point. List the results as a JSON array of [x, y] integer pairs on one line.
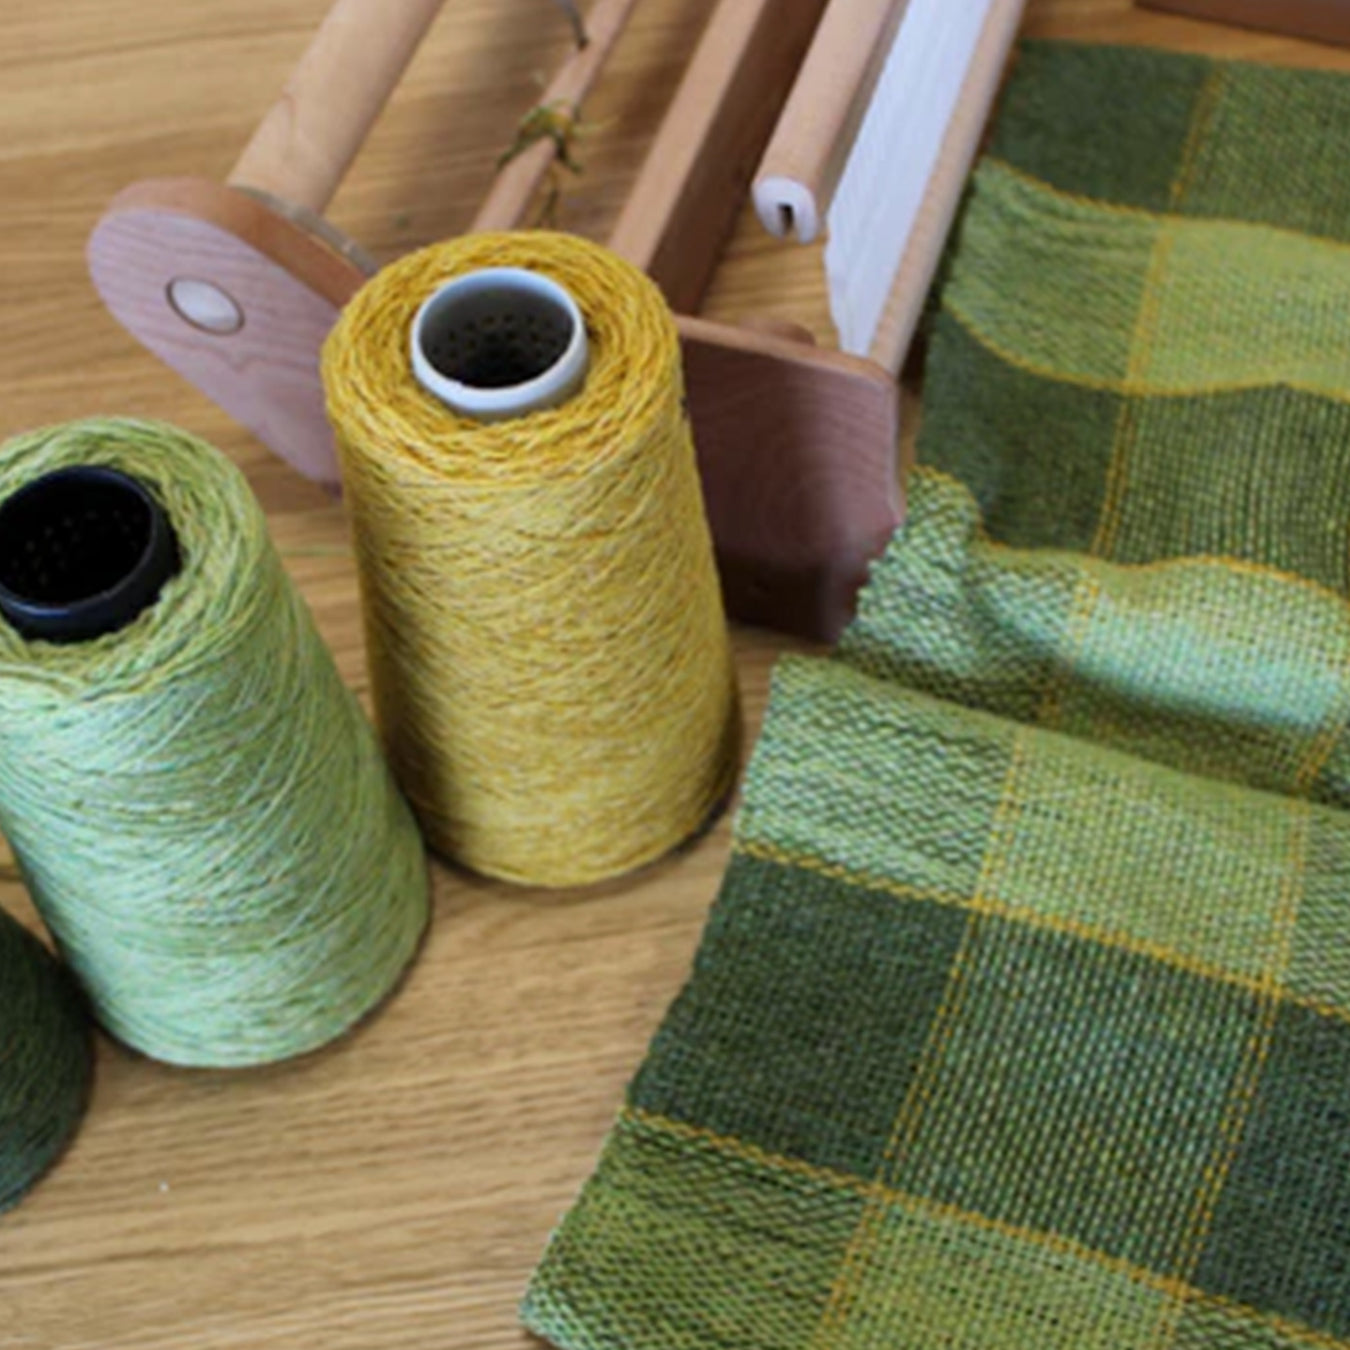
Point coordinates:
[[307, 140], [805, 159], [696, 174]]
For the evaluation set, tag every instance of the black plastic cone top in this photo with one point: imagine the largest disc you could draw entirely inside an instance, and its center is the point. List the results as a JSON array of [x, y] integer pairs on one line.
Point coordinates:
[[83, 551]]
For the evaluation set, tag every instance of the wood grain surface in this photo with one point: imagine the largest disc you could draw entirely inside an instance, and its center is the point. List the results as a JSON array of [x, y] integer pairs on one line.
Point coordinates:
[[395, 1189]]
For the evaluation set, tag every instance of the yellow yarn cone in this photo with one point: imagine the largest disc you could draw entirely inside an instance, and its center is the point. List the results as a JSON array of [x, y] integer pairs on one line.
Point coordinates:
[[549, 655]]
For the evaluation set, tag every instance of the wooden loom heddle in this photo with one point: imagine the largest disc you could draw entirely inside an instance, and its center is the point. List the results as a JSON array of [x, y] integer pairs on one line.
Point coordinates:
[[236, 285]]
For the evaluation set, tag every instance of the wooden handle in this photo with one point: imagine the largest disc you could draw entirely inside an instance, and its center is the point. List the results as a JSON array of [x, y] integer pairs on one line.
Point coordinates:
[[696, 175], [309, 137], [515, 186], [802, 166], [922, 256]]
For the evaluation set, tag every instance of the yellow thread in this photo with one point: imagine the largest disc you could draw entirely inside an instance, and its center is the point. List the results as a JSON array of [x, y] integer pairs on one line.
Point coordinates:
[[1202, 561], [1129, 388], [1247, 1082], [549, 657], [1113, 493], [919, 1096], [909, 1203], [555, 122], [1201, 117], [1115, 939], [1127, 426]]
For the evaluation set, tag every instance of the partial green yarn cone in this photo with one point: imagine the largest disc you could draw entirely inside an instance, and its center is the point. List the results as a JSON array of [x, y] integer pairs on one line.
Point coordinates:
[[45, 1060], [202, 812]]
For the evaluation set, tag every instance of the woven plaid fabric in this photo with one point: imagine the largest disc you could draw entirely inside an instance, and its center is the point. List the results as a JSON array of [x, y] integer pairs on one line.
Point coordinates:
[[1022, 1019]]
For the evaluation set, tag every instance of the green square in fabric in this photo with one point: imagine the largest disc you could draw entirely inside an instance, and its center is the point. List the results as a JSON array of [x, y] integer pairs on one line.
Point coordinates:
[[1271, 690], [1280, 1240], [804, 1020], [1112, 844], [1081, 1091], [1273, 151], [1244, 305], [936, 1279], [1234, 474], [1105, 122], [918, 816], [757, 1245], [1035, 452]]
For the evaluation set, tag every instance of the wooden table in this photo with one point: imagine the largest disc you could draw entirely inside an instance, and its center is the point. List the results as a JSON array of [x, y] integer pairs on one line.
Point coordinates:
[[395, 1189]]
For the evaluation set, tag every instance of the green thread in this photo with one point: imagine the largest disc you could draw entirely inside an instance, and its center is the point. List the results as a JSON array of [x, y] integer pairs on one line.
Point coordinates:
[[197, 802], [45, 1060]]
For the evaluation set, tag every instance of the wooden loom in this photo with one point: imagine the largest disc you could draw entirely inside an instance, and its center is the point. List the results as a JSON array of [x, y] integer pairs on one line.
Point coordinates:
[[236, 285]]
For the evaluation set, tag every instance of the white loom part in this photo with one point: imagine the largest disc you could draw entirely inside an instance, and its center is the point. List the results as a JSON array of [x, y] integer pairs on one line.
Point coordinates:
[[894, 156]]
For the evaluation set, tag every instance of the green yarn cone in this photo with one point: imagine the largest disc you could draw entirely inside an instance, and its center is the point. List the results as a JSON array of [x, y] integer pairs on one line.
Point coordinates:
[[202, 812], [45, 1060]]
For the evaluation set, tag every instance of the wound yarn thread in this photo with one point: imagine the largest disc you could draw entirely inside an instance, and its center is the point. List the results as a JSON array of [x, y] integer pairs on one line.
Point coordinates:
[[549, 654], [197, 803], [46, 1060]]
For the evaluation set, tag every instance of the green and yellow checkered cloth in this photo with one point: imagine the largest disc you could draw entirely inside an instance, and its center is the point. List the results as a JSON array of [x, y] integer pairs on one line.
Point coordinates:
[[1023, 1018]]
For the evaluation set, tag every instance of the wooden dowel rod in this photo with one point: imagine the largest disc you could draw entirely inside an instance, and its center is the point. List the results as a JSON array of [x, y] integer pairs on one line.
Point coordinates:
[[918, 266], [309, 137], [802, 166], [697, 173], [515, 186]]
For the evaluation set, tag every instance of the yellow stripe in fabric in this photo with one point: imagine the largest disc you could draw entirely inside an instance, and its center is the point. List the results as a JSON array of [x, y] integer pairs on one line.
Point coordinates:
[[1243, 1096], [1202, 117], [859, 1256], [1237, 566], [895, 1199], [1127, 420], [1229, 305], [1123, 386], [1115, 939]]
